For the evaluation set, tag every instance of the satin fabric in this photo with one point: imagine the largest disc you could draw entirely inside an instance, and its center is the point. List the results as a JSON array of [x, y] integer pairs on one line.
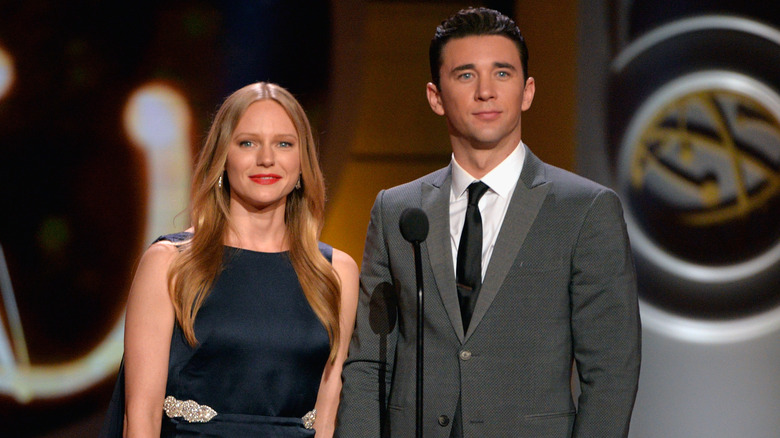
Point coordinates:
[[260, 355]]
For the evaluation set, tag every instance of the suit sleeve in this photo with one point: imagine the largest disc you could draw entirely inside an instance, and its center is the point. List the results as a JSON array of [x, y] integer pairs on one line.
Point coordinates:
[[606, 331], [369, 367]]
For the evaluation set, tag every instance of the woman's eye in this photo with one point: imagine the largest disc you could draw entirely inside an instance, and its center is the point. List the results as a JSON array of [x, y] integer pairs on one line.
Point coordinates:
[[245, 144], [285, 144]]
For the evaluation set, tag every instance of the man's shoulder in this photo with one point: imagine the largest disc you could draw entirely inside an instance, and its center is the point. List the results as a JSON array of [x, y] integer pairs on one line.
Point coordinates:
[[569, 182], [412, 189]]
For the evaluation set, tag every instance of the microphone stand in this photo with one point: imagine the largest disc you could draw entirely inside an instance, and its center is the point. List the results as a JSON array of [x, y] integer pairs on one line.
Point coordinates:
[[420, 313], [414, 228]]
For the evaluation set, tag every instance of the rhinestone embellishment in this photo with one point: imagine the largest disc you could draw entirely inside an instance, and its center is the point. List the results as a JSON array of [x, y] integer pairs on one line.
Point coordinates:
[[189, 410], [308, 419]]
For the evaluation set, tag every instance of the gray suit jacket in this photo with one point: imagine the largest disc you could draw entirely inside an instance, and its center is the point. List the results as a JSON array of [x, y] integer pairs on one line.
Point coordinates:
[[560, 286]]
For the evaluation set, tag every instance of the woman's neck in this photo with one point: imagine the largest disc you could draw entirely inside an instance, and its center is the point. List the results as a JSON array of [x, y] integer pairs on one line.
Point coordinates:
[[262, 231]]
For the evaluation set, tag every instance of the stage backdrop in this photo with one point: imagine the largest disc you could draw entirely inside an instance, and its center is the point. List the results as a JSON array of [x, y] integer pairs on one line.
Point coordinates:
[[679, 111]]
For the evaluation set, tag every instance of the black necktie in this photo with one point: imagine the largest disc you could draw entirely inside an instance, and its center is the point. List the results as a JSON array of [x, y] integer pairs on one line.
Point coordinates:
[[469, 269]]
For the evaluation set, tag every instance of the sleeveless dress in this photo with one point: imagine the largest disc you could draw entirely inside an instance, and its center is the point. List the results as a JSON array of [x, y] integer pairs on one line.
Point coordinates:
[[260, 355]]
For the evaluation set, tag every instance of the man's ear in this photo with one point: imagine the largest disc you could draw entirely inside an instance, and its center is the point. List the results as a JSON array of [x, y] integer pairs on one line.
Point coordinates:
[[528, 93], [434, 98]]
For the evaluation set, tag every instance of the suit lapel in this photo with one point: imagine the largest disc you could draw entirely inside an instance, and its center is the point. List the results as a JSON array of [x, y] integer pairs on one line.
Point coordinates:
[[526, 201], [436, 204]]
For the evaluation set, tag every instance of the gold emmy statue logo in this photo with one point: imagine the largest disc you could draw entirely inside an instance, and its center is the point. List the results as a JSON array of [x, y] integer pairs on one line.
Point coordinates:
[[712, 154]]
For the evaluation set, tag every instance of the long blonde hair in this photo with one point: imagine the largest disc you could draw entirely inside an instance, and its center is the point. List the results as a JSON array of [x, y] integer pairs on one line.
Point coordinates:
[[197, 266]]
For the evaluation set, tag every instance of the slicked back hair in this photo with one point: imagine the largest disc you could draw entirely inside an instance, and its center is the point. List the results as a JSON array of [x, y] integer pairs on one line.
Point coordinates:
[[474, 22]]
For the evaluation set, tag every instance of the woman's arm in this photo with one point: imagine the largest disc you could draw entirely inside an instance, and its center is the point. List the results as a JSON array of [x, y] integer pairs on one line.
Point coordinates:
[[330, 386], [148, 330]]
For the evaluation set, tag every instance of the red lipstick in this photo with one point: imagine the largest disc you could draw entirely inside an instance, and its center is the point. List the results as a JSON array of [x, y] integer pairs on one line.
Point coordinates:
[[265, 178]]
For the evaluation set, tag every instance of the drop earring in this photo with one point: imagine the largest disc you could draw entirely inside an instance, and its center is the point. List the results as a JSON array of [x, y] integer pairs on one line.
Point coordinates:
[[298, 184], [219, 182]]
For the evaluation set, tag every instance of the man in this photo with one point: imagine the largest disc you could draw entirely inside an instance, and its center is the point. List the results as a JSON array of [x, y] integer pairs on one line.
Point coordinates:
[[523, 275]]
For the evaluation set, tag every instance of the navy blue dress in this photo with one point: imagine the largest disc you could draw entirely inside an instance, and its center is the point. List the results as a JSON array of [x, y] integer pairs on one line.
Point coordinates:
[[260, 355]]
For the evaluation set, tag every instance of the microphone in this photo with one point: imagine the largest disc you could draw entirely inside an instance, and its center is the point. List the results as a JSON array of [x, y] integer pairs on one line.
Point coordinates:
[[414, 227]]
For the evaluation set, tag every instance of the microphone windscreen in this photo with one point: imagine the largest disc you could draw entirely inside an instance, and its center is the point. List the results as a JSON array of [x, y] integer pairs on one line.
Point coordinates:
[[414, 225]]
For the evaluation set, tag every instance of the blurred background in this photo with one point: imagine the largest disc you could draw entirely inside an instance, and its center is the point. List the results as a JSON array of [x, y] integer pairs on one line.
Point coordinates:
[[675, 105]]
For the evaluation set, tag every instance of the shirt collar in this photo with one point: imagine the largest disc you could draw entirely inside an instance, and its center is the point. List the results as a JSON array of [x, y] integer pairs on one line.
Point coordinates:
[[502, 179]]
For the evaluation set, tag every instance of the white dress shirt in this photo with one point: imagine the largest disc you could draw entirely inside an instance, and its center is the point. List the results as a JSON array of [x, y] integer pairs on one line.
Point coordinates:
[[492, 206]]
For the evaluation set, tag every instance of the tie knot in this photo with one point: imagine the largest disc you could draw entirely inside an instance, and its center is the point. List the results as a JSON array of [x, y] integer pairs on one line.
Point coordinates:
[[476, 190]]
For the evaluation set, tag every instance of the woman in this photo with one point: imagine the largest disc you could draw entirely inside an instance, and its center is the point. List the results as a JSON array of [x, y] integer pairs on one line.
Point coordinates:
[[240, 326]]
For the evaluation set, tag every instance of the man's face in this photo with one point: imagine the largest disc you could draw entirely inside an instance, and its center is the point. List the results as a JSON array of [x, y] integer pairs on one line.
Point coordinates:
[[482, 92]]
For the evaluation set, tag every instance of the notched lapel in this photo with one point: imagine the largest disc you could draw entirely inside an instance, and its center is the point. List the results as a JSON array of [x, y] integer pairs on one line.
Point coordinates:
[[527, 200], [436, 204]]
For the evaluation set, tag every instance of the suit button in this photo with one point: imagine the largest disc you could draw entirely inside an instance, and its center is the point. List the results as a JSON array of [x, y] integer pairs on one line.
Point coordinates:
[[465, 355], [444, 420]]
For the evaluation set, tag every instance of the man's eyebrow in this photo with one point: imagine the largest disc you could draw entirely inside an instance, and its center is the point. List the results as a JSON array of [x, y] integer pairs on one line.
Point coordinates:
[[504, 65], [463, 67]]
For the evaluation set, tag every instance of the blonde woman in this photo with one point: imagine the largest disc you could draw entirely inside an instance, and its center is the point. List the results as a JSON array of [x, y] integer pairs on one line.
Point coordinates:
[[240, 325]]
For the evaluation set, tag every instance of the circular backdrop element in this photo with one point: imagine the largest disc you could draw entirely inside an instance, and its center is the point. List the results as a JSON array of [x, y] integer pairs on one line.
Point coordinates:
[[695, 143]]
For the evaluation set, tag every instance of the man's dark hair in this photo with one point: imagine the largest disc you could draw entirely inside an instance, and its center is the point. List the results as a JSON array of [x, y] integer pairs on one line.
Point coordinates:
[[475, 22]]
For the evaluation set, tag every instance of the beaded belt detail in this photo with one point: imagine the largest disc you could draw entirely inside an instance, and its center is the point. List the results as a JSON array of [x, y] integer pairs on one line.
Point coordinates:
[[308, 419], [192, 412], [189, 410]]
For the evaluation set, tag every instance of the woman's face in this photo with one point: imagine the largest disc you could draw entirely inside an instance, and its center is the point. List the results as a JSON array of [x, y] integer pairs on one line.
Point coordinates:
[[263, 161]]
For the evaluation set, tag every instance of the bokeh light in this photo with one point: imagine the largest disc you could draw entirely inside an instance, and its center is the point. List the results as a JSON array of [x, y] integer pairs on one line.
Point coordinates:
[[6, 72], [157, 118]]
